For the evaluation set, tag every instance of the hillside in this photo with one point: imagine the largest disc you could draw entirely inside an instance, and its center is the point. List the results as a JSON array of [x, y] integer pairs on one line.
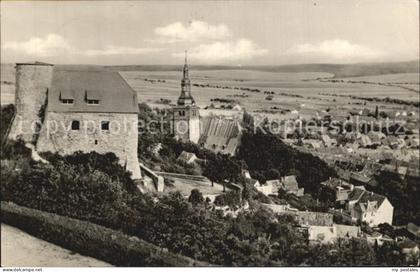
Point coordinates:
[[339, 70]]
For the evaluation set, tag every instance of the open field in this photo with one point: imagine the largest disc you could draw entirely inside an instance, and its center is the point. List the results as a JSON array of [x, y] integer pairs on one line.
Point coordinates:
[[302, 91], [23, 250], [389, 78]]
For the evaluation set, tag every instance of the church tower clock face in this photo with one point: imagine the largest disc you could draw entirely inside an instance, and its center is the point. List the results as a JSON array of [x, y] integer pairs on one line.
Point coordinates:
[[181, 127]]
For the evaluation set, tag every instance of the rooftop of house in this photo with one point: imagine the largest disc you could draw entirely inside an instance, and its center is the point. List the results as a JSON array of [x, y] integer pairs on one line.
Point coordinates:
[[186, 156], [220, 134], [362, 196], [71, 90], [335, 182], [272, 182], [312, 218], [290, 183], [407, 243], [414, 229], [347, 231]]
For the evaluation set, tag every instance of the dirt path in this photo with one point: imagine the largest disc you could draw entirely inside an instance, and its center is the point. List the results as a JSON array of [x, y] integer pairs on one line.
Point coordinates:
[[21, 249]]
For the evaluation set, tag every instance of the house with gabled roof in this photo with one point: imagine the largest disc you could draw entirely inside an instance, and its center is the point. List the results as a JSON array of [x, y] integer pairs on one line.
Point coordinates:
[[270, 187], [290, 185], [330, 234], [369, 207], [187, 157]]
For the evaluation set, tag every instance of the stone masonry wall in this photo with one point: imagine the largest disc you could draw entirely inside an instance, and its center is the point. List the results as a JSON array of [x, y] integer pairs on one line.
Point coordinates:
[[32, 82], [57, 135]]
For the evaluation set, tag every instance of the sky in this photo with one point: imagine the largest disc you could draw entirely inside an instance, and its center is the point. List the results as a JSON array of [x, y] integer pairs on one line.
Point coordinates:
[[213, 32]]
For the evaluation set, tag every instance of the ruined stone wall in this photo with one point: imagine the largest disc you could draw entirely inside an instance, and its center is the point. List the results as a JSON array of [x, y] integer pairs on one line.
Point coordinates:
[[57, 135], [32, 83]]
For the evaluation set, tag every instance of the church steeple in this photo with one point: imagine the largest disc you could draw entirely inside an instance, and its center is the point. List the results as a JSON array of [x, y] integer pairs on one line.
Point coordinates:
[[185, 98]]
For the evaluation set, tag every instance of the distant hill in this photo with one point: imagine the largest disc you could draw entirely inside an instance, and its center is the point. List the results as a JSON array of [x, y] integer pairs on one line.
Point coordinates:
[[339, 70]]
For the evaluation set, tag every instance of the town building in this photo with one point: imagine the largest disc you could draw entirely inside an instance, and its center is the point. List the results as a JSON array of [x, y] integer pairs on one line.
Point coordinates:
[[187, 157], [306, 218], [369, 207], [270, 187], [76, 110], [330, 234], [290, 185], [341, 188]]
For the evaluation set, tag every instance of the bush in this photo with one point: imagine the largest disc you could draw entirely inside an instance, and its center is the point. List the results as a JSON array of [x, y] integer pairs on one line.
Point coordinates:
[[90, 239], [7, 113]]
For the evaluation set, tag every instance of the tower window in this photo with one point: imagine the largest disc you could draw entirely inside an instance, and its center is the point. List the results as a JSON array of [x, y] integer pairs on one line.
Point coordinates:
[[96, 142], [75, 125], [105, 125]]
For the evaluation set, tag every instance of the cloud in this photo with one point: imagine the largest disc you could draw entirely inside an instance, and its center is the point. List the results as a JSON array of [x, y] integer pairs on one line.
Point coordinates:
[[192, 32], [50, 45], [119, 50], [242, 49], [337, 49]]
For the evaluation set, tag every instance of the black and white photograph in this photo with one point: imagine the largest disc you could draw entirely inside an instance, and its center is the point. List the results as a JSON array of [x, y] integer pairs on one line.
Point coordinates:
[[210, 135]]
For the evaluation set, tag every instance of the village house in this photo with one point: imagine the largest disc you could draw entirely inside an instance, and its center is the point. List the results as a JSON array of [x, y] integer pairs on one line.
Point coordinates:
[[187, 157], [376, 137], [306, 218], [328, 141], [377, 238], [365, 141], [270, 187], [365, 206], [278, 209], [330, 234], [413, 232], [341, 188], [290, 185], [410, 249], [312, 143]]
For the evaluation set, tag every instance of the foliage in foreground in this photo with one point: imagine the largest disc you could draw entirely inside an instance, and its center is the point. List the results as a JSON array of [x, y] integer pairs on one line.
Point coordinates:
[[95, 188]]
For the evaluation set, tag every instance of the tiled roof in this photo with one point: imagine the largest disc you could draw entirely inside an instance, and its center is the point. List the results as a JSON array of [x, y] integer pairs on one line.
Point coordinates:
[[186, 156], [220, 134], [356, 194], [414, 229], [364, 197], [347, 231], [407, 243], [112, 91], [290, 183]]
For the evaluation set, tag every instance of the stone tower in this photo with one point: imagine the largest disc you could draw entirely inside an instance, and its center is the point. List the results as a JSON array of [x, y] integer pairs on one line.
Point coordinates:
[[32, 83], [186, 114]]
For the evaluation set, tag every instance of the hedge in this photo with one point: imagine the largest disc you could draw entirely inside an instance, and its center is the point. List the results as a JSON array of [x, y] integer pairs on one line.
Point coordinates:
[[90, 239]]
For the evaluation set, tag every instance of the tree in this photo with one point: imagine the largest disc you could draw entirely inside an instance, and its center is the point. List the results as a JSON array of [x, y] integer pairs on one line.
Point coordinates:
[[196, 197]]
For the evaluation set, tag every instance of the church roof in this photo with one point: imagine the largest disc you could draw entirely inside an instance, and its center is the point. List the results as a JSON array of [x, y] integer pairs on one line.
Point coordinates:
[[113, 93]]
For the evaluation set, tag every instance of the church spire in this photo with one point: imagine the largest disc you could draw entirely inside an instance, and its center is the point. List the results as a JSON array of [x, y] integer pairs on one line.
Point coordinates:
[[185, 98], [186, 76]]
